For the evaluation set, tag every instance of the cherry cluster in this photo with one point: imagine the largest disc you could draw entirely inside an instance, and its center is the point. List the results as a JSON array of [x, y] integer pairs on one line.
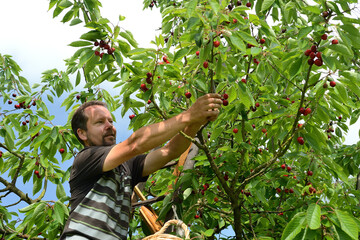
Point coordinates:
[[315, 56], [104, 46], [151, 5]]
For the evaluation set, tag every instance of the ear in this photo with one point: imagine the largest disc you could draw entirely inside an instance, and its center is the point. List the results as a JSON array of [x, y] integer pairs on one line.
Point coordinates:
[[82, 134]]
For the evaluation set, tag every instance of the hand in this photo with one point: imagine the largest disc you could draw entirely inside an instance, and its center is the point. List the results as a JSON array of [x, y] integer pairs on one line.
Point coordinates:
[[206, 108]]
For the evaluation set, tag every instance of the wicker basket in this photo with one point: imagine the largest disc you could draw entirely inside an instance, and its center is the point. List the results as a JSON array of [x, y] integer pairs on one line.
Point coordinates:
[[160, 235]]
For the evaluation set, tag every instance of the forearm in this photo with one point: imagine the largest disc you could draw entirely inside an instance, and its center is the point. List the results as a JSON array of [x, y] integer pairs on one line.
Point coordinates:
[[178, 144], [149, 137]]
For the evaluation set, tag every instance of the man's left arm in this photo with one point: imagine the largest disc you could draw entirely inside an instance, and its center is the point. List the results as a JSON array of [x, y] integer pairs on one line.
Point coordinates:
[[173, 149]]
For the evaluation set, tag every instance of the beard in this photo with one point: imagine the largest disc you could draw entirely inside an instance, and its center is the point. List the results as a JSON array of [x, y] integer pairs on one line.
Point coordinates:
[[107, 139]]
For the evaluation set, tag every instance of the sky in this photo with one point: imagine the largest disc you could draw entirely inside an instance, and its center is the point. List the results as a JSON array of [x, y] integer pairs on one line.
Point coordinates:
[[38, 42]]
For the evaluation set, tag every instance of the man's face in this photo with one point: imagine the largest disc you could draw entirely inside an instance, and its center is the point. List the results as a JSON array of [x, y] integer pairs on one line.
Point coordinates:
[[100, 130]]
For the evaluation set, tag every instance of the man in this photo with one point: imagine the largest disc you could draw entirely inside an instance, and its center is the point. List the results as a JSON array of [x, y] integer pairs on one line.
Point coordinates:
[[104, 173]]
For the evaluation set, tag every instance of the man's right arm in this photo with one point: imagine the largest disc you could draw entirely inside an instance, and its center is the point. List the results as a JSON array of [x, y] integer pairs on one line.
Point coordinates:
[[149, 137]]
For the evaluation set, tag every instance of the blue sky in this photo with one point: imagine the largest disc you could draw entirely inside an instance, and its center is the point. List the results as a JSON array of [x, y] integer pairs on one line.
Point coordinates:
[[38, 42]]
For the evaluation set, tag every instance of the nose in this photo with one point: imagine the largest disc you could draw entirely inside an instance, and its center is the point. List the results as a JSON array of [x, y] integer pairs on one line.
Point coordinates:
[[108, 124]]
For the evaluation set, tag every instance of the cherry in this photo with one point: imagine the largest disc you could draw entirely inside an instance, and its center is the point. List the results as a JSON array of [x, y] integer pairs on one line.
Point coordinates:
[[257, 104], [1, 153], [318, 62], [188, 94], [309, 173], [143, 87], [216, 199], [14, 95], [288, 168], [324, 36], [307, 52], [77, 97], [307, 111], [96, 43], [278, 190], [97, 53], [248, 4], [235, 20], [225, 96], [332, 83], [216, 44], [131, 116], [264, 130], [235, 130], [149, 101], [61, 150], [243, 80], [197, 216], [335, 41], [197, 53], [205, 64], [9, 102], [312, 55], [262, 41], [24, 123], [300, 140], [225, 102], [325, 14], [283, 166], [313, 48]]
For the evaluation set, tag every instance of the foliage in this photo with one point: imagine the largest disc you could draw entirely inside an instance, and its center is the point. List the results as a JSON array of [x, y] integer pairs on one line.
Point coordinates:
[[284, 174]]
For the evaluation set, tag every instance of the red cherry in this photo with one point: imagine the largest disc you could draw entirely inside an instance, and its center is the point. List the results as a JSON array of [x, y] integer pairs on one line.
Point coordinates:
[[264, 130], [9, 102], [97, 53], [143, 87], [226, 177], [312, 55], [149, 101], [235, 20], [148, 80], [243, 80], [288, 168], [188, 94], [216, 44], [197, 53], [24, 123], [165, 59], [257, 104], [197, 216], [36, 172], [278, 190], [302, 110], [307, 52], [131, 116], [325, 14], [332, 83], [14, 94], [291, 190], [311, 61], [300, 140], [324, 36], [262, 41], [335, 41], [280, 214], [283, 166], [235, 130], [216, 199], [149, 74], [307, 111], [77, 97], [225, 102], [314, 48], [248, 4], [96, 43], [318, 62], [205, 64], [225, 96], [309, 173], [1, 153], [61, 150], [253, 125], [340, 117]]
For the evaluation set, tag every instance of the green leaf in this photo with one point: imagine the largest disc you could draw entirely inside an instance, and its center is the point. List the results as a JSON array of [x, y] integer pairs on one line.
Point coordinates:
[[128, 36], [215, 6], [59, 214], [296, 67], [93, 35], [80, 44], [248, 38], [266, 5], [191, 7], [181, 53], [313, 9], [314, 216], [75, 21], [349, 28], [342, 49], [304, 32], [294, 227], [65, 4], [209, 232], [237, 42], [60, 191], [347, 223]]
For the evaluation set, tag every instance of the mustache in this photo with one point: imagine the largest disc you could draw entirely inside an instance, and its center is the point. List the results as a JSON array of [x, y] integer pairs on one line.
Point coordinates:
[[111, 133]]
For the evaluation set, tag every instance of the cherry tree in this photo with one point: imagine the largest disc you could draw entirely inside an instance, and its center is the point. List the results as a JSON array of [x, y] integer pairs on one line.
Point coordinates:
[[272, 166]]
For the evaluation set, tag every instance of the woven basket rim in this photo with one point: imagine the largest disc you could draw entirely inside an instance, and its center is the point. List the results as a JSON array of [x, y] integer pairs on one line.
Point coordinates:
[[161, 235]]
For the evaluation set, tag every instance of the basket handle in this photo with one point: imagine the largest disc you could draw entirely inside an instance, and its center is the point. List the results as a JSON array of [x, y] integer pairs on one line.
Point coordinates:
[[179, 224]]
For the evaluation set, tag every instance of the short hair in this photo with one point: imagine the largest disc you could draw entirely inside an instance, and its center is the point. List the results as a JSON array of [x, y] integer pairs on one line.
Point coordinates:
[[79, 118]]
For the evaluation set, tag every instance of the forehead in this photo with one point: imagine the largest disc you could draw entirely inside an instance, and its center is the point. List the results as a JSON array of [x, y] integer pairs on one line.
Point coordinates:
[[96, 111]]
